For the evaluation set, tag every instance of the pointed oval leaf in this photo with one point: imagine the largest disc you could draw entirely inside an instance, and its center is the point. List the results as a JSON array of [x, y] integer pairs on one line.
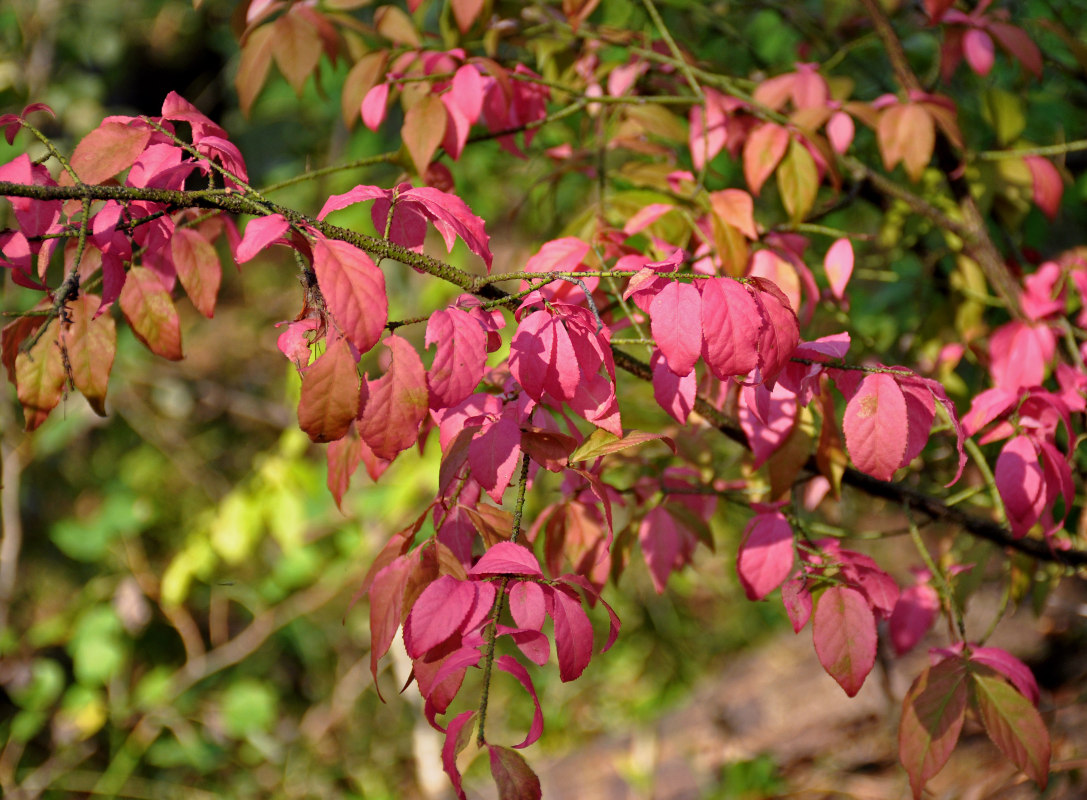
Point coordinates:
[[1014, 725], [676, 322], [838, 266], [424, 127], [844, 631], [39, 378], [512, 775], [730, 328], [573, 635], [354, 290], [260, 233], [875, 426], [151, 314], [91, 343], [437, 614], [933, 712], [198, 268], [110, 148], [763, 151], [798, 181], [457, 737], [460, 357], [397, 402], [329, 401], [507, 558], [766, 555]]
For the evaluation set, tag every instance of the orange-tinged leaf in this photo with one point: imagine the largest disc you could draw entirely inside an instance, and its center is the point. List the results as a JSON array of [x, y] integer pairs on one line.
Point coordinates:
[[344, 455], [296, 48], [1014, 725], [253, 68], [91, 344], [14, 334], [932, 715], [330, 394], [39, 378], [735, 207], [396, 26], [465, 12], [798, 181], [906, 133], [363, 77], [397, 404], [110, 148], [494, 524], [198, 268], [763, 151], [732, 248], [354, 290], [601, 442], [150, 312], [424, 127]]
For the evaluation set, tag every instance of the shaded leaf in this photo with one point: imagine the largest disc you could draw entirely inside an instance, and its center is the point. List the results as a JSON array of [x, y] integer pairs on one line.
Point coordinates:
[[198, 268], [91, 343], [329, 400], [844, 631], [354, 290], [397, 402], [151, 314], [512, 775], [933, 712], [39, 377]]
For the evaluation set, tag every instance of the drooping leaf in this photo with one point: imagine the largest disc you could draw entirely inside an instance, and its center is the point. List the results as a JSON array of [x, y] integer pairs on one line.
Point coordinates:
[[457, 737], [766, 555], [397, 402], [906, 133], [875, 426], [602, 442], [730, 328], [1021, 482], [343, 458], [511, 665], [798, 181], [437, 614], [39, 377], [296, 48], [676, 323], [1014, 725], [260, 233], [838, 266], [386, 605], [933, 712], [512, 775], [460, 357], [424, 127], [198, 268], [329, 400], [151, 314], [527, 604], [763, 151], [573, 635], [674, 394], [844, 631], [354, 290], [91, 344]]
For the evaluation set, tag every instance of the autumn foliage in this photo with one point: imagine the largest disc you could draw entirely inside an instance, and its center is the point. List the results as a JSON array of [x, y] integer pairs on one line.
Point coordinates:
[[735, 269]]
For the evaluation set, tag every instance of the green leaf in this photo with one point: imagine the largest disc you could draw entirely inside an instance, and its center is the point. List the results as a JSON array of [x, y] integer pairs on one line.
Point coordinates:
[[601, 442], [248, 706], [798, 181], [1014, 724]]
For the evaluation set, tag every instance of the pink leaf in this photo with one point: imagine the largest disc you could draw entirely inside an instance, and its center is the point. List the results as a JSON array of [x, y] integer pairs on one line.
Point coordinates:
[[493, 456], [460, 358], [844, 631], [531, 352], [780, 331], [595, 401], [1021, 482], [766, 555], [512, 775], [512, 666], [386, 606], [797, 601], [508, 558], [573, 634], [730, 328], [457, 737], [933, 712], [438, 613], [354, 290], [665, 545], [840, 131], [736, 207], [763, 151], [259, 234], [838, 265], [526, 602], [875, 426], [673, 393], [1014, 725], [452, 217], [374, 105], [1048, 184], [110, 148], [978, 48], [912, 617], [397, 403], [676, 323]]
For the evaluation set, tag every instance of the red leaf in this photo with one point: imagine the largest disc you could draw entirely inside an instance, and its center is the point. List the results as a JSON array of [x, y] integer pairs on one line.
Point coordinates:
[[151, 314], [1021, 482], [797, 601], [1019, 44], [110, 148], [573, 634], [386, 606], [1014, 725], [844, 631], [354, 290], [912, 617], [329, 401], [452, 217], [343, 456], [763, 151], [527, 604], [198, 268], [39, 378], [507, 558], [531, 351], [91, 343], [674, 394], [374, 106], [766, 555], [424, 127], [397, 402], [875, 426], [1048, 185], [512, 666], [260, 233], [512, 775], [457, 737], [439, 612], [1019, 354], [779, 334], [730, 328], [549, 449], [665, 544], [932, 715], [493, 455], [460, 357], [676, 323], [838, 265]]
